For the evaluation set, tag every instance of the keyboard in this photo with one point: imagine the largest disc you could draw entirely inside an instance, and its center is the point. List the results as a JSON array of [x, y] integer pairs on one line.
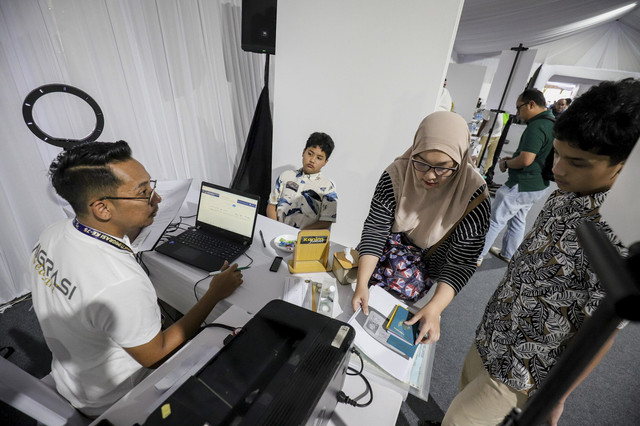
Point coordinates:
[[209, 244]]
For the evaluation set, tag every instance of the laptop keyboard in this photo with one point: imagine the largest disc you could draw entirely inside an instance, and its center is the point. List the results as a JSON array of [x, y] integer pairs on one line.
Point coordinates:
[[209, 244]]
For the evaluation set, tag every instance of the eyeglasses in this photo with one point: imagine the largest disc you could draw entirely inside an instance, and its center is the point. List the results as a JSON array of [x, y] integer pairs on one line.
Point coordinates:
[[520, 106], [149, 198], [423, 167]]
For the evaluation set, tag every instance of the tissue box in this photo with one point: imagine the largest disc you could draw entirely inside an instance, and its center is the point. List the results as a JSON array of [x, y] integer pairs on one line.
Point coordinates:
[[345, 271]]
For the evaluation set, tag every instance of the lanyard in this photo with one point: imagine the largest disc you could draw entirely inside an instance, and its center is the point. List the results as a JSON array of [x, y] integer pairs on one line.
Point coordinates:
[[100, 236]]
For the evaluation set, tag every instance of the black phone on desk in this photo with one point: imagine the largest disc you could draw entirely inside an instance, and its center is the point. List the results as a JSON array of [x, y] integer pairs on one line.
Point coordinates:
[[275, 265]]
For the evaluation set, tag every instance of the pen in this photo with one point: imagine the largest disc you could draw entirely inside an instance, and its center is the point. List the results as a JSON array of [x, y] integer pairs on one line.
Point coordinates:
[[262, 238], [214, 273]]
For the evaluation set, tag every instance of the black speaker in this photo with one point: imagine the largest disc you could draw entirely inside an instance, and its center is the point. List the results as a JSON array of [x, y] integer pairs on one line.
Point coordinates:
[[259, 26]]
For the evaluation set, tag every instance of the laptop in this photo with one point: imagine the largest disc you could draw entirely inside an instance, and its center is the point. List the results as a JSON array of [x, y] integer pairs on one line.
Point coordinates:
[[225, 223]]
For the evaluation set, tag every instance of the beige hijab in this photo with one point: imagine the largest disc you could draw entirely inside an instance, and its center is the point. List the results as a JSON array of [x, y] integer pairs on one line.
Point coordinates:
[[426, 215]]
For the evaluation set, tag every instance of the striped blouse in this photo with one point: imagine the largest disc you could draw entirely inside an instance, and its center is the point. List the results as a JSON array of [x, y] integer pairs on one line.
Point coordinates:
[[455, 260]]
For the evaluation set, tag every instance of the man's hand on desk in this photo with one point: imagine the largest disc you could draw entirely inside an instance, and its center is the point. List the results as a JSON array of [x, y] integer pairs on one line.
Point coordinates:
[[226, 282]]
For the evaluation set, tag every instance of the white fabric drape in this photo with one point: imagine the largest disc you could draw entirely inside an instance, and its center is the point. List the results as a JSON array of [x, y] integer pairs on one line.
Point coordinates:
[[588, 33], [169, 76]]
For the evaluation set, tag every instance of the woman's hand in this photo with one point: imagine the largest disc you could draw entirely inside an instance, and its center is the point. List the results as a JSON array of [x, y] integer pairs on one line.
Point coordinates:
[[429, 316], [361, 299], [366, 264], [429, 324]]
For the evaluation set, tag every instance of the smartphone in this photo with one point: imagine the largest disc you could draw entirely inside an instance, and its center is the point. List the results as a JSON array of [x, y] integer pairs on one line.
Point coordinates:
[[275, 264]]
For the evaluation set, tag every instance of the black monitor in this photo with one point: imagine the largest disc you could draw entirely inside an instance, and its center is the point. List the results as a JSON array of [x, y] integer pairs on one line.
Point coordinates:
[[285, 367]]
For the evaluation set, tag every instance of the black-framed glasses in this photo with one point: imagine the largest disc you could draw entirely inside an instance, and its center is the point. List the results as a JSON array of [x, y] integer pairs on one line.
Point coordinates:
[[423, 167], [149, 198], [520, 106]]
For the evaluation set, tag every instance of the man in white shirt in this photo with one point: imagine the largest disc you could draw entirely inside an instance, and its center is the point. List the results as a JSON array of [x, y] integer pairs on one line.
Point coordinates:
[[96, 306]]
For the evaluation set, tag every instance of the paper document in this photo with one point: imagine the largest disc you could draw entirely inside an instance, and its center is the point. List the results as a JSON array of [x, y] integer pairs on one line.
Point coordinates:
[[304, 292], [372, 336], [173, 193]]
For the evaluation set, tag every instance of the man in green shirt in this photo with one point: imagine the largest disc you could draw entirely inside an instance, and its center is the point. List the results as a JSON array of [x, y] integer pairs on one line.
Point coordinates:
[[525, 185]]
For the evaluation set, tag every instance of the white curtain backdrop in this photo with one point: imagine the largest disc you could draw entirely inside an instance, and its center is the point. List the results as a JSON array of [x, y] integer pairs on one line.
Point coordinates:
[[169, 76]]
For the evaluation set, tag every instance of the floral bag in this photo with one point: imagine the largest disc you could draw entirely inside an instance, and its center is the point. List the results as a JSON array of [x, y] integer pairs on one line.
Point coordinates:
[[401, 270]]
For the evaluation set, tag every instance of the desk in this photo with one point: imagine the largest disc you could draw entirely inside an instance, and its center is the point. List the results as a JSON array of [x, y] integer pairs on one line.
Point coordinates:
[[174, 283], [174, 280], [147, 396]]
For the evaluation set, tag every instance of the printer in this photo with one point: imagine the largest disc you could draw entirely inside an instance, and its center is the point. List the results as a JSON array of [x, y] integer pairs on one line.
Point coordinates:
[[285, 367]]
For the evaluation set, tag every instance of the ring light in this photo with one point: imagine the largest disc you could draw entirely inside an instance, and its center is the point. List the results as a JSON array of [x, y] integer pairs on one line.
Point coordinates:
[[27, 113]]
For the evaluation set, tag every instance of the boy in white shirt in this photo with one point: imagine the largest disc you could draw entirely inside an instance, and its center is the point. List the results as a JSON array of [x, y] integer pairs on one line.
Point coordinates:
[[304, 198]]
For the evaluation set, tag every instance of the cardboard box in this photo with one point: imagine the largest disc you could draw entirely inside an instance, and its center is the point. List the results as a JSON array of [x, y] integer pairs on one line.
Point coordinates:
[[345, 271]]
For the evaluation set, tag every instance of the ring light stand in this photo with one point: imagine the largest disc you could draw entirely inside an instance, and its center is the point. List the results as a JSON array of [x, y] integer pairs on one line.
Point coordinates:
[[27, 113]]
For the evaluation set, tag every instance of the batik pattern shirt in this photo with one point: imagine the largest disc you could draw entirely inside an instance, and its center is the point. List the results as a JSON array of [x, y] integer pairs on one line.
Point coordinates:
[[303, 199], [547, 293]]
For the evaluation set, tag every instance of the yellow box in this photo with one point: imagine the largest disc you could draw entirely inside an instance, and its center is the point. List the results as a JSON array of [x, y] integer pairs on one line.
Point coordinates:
[[345, 271], [311, 253]]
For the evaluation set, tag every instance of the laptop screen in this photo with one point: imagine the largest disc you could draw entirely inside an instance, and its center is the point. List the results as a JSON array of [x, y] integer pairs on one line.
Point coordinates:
[[227, 209]]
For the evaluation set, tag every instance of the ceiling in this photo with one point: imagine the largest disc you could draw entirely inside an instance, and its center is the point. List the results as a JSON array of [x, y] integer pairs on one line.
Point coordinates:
[[588, 33]]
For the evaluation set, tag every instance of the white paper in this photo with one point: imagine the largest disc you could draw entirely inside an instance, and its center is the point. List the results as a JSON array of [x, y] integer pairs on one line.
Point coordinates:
[[296, 290], [173, 193], [392, 362], [188, 366], [299, 291], [621, 209]]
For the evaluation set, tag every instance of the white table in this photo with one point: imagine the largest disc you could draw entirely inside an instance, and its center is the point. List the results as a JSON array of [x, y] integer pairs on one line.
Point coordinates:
[[146, 397], [174, 283], [174, 280]]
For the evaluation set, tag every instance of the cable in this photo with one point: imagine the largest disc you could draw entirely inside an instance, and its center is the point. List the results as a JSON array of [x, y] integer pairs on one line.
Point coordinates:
[[343, 398], [196, 285], [8, 305], [208, 275], [225, 326], [140, 261], [251, 260], [173, 227]]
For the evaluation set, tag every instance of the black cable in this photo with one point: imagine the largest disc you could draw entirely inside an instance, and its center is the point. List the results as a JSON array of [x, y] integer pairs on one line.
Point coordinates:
[[140, 261], [343, 398], [225, 326], [349, 368], [196, 285], [176, 225], [251, 260]]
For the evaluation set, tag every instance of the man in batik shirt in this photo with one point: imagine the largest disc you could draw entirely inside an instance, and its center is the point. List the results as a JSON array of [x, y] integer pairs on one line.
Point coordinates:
[[549, 289]]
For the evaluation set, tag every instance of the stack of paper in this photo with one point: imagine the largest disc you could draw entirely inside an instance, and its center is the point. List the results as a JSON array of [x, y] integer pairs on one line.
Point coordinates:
[[372, 335]]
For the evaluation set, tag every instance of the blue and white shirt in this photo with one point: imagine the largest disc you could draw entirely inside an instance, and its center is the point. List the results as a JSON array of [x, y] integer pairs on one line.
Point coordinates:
[[304, 199]]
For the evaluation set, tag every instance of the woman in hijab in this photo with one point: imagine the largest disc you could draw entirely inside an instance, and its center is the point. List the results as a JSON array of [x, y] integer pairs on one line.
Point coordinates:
[[427, 223]]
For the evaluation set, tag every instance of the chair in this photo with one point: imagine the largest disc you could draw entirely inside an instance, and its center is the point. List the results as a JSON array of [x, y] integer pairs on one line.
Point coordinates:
[[36, 398]]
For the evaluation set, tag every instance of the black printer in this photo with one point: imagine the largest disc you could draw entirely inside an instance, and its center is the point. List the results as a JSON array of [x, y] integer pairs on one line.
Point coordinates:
[[285, 367]]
